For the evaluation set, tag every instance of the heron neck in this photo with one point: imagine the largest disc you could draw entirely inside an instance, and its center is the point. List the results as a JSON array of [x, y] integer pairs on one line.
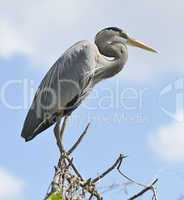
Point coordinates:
[[110, 62]]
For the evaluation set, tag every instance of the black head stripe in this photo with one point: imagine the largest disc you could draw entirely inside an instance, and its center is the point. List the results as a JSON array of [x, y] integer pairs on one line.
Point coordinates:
[[120, 31], [123, 34], [113, 29]]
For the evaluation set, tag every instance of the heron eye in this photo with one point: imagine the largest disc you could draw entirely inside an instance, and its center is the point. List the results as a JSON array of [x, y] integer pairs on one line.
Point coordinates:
[[124, 35]]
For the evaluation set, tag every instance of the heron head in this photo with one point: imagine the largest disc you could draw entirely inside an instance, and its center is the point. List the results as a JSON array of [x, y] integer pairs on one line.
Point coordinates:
[[117, 35]]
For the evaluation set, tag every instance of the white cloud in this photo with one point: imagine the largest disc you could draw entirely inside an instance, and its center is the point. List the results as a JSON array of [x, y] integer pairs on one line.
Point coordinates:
[[11, 187], [42, 30], [11, 42], [168, 141], [36, 28]]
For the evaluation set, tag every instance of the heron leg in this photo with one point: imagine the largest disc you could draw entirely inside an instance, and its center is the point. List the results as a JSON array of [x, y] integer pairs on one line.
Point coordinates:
[[59, 132]]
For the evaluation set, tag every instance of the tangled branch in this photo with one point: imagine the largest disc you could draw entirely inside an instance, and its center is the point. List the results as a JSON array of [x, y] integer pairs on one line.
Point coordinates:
[[68, 182]]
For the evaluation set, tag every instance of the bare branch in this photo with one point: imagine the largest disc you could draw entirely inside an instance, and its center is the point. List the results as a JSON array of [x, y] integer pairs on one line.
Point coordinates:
[[68, 179], [74, 168], [146, 188], [119, 160], [150, 187], [128, 178], [79, 140]]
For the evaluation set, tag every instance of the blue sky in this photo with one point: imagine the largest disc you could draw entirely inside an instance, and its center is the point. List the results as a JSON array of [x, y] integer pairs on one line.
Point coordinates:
[[139, 112]]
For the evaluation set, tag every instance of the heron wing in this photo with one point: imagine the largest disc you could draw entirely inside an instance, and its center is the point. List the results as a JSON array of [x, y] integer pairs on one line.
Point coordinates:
[[62, 88]]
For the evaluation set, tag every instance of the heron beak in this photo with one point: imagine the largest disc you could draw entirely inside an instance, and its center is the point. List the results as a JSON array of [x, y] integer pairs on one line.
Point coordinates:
[[136, 43]]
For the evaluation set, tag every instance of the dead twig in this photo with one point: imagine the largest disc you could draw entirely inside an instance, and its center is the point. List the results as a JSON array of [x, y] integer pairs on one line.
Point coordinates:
[[79, 140], [68, 179], [150, 187], [146, 188], [74, 168], [119, 160], [128, 178]]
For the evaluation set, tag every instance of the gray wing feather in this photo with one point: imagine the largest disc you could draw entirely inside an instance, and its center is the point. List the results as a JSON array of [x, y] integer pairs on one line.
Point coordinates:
[[67, 79]]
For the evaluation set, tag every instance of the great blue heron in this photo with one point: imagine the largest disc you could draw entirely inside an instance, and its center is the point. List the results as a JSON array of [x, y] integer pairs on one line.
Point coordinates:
[[70, 79]]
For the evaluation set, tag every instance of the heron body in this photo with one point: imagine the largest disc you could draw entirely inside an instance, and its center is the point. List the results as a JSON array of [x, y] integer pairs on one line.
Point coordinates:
[[73, 75]]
